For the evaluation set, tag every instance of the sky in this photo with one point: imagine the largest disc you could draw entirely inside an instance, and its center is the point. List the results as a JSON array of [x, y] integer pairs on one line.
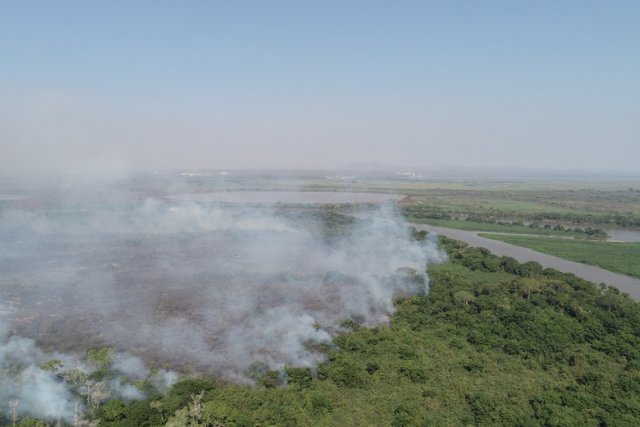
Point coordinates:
[[152, 85]]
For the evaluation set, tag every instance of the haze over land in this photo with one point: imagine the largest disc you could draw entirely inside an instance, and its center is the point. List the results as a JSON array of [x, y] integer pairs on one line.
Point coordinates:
[[161, 234], [123, 86], [183, 284]]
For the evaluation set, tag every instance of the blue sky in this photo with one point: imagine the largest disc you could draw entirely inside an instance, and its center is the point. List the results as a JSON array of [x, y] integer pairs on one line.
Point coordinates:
[[302, 84]]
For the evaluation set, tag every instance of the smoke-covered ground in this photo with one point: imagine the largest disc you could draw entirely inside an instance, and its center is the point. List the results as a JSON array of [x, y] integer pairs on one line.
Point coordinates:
[[194, 287]]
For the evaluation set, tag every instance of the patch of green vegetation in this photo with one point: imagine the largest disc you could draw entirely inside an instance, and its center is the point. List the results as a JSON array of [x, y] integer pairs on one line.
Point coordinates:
[[613, 256], [498, 227], [459, 271]]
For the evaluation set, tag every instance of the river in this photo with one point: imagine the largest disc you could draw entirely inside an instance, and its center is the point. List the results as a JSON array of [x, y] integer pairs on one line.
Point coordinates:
[[626, 284]]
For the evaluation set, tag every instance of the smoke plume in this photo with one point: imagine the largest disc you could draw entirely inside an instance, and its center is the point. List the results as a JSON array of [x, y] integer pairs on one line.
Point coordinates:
[[190, 286]]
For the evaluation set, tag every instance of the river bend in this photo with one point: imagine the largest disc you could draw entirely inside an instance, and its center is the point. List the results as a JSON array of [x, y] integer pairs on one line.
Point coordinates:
[[626, 284]]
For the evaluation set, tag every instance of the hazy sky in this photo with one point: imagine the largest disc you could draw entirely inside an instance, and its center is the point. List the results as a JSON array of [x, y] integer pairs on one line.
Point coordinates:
[[88, 85]]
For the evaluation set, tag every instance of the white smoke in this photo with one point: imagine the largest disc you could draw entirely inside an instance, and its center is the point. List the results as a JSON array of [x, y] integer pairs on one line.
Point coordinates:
[[21, 378], [180, 283], [44, 393]]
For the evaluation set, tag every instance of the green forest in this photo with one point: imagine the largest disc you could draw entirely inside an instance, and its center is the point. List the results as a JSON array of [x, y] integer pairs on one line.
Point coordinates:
[[494, 342]]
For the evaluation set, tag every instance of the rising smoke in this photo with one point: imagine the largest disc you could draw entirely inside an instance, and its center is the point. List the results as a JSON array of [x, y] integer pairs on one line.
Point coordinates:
[[188, 286], [35, 390]]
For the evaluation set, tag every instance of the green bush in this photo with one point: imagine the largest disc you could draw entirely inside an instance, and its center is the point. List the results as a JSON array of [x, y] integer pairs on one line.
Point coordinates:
[[299, 376]]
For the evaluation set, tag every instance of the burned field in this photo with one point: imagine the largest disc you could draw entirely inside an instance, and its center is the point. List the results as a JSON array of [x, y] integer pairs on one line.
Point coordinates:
[[197, 287]]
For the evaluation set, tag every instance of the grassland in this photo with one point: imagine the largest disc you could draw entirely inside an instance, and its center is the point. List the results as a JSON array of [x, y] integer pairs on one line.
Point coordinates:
[[621, 258]]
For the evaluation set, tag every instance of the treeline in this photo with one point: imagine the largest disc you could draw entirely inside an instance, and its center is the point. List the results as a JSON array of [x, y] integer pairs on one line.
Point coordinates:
[[494, 342], [603, 219], [433, 212], [589, 232]]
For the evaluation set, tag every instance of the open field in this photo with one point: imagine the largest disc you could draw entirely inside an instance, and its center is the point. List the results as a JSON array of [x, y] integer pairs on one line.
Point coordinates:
[[617, 257]]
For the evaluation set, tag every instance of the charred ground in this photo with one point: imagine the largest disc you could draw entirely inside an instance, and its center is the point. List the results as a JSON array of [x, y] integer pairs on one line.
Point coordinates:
[[171, 293]]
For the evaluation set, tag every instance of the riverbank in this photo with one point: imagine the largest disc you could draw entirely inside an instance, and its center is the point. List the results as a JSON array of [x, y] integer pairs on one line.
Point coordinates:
[[510, 228], [613, 256], [594, 274]]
